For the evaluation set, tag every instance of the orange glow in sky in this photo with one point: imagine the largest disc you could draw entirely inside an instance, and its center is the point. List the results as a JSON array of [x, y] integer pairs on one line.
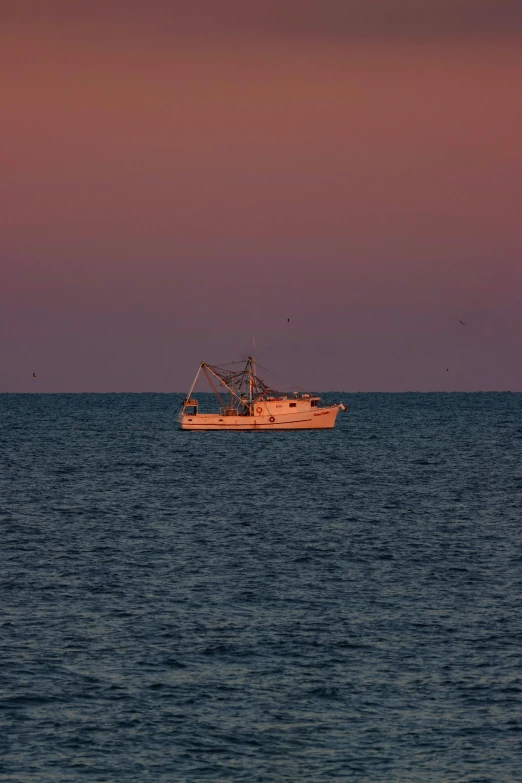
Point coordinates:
[[167, 192]]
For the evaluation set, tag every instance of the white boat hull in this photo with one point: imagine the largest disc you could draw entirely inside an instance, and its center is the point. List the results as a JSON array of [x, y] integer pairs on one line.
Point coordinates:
[[311, 419]]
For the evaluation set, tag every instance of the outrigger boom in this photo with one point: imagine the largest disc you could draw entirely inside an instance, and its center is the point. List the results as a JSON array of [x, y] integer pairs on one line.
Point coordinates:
[[253, 405]]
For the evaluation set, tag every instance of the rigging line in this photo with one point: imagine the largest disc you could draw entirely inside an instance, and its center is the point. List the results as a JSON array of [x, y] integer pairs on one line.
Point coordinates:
[[209, 379], [227, 364], [280, 378], [230, 388]]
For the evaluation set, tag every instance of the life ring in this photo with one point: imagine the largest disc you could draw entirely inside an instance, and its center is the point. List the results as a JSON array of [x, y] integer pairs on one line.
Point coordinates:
[[272, 419], [259, 410]]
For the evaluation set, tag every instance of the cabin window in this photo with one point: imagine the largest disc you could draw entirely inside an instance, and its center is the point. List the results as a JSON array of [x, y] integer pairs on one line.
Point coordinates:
[[314, 403], [293, 404]]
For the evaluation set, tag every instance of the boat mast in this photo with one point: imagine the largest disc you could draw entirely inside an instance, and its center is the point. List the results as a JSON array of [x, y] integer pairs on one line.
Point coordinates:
[[253, 364], [189, 395], [250, 379]]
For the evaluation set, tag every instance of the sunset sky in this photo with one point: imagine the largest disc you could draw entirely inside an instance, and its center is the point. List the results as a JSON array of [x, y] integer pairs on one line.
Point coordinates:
[[177, 177]]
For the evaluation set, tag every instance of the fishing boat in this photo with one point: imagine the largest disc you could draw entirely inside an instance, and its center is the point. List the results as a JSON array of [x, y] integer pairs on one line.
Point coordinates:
[[248, 403]]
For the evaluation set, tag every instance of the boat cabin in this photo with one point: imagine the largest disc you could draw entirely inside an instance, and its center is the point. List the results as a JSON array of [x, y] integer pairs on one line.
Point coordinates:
[[190, 403]]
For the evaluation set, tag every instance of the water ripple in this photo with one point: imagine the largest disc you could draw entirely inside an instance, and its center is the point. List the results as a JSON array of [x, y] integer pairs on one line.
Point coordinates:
[[331, 606]]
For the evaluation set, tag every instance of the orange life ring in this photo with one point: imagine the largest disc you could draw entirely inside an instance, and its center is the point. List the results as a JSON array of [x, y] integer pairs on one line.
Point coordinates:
[[272, 419], [259, 410]]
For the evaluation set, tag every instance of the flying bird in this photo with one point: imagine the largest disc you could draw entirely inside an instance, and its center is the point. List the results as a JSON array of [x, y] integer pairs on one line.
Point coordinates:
[[288, 319], [34, 375], [462, 322], [447, 370]]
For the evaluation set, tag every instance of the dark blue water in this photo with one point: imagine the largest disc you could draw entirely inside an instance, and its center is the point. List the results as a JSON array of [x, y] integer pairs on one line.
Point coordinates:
[[283, 608]]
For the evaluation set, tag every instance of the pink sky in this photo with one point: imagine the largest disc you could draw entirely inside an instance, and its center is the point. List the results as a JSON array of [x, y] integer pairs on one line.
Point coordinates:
[[176, 182]]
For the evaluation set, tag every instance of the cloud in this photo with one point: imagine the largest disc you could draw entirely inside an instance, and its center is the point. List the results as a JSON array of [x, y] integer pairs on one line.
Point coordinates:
[[284, 19]]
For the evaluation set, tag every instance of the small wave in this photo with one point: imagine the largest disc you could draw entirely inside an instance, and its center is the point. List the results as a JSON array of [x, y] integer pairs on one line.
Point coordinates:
[[326, 692]]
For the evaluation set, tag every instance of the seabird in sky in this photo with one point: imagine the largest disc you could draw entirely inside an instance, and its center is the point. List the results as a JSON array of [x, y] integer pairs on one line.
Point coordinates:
[[34, 375], [462, 322]]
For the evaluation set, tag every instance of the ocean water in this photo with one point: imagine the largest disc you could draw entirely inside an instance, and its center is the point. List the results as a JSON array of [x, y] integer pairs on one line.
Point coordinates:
[[301, 607]]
